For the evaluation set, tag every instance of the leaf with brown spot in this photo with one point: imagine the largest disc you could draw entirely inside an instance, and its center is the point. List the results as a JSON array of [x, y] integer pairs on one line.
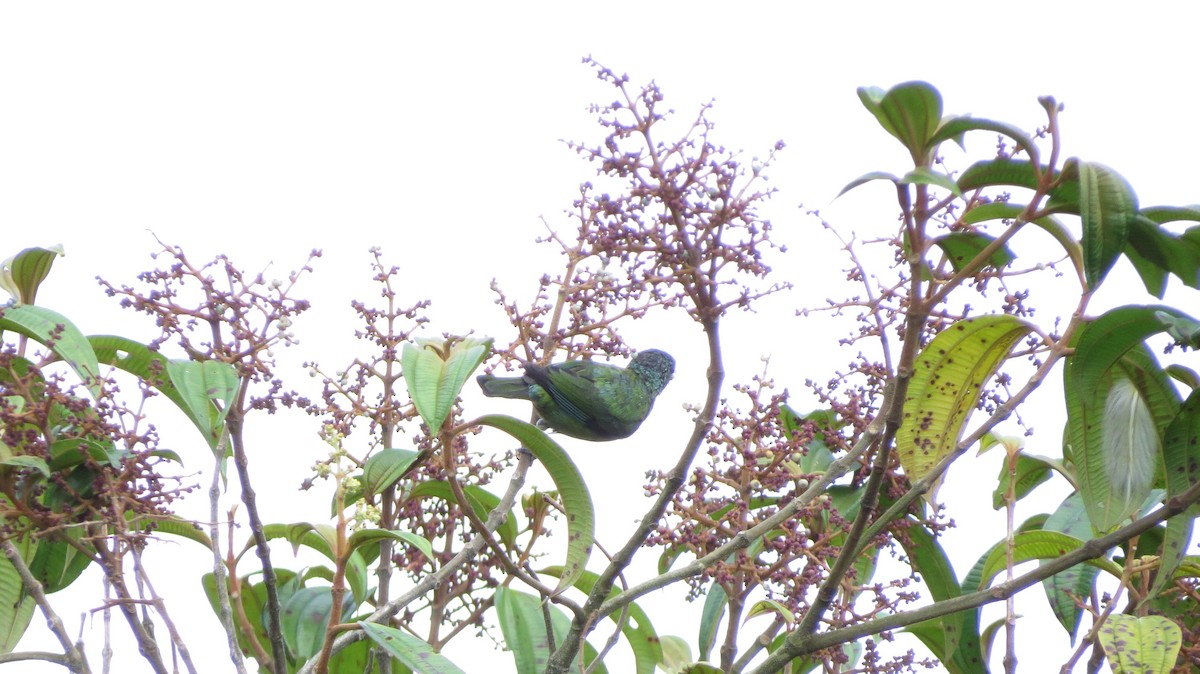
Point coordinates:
[[945, 387]]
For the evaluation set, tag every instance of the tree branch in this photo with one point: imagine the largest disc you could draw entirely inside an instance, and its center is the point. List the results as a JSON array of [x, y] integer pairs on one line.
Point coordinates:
[[495, 518], [798, 644], [72, 657]]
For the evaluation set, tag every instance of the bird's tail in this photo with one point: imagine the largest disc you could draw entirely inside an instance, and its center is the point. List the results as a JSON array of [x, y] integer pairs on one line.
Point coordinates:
[[503, 387]]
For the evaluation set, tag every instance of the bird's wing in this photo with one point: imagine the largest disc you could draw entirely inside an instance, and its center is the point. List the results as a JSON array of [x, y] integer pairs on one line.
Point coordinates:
[[573, 387]]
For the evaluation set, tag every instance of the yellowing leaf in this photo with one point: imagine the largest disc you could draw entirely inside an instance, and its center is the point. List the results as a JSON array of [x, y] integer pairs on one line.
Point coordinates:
[[1146, 645], [945, 387]]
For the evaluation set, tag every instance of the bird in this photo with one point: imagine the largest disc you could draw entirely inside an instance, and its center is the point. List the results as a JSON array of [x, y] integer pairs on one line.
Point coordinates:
[[588, 400]]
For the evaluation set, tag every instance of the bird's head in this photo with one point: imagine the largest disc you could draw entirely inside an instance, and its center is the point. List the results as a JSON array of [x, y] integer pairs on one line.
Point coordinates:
[[654, 367]]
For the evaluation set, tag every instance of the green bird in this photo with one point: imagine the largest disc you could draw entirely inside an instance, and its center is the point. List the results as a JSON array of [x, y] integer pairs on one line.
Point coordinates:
[[588, 400]]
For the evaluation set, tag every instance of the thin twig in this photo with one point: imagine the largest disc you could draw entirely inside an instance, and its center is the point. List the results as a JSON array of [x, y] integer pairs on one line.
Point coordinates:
[[261, 547], [501, 556], [495, 518], [760, 642], [337, 591], [224, 607], [161, 607], [110, 562], [798, 644], [45, 656], [74, 658], [743, 539], [1093, 634], [622, 620], [593, 609]]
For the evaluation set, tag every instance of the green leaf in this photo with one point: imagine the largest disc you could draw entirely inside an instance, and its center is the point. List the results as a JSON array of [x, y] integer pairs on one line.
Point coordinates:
[[1189, 567], [1165, 214], [57, 563], [25, 461], [384, 468], [253, 599], [676, 654], [963, 247], [369, 536], [910, 111], [926, 176], [1064, 198], [998, 210], [1000, 173], [16, 606], [669, 554], [171, 524], [929, 632], [1181, 460], [523, 624], [770, 607], [58, 334], [1154, 277], [358, 658], [1131, 446], [413, 652], [917, 176], [149, 366], [69, 452], [710, 618], [23, 273], [201, 385], [1065, 588], [1184, 375], [305, 616], [945, 387], [639, 633], [435, 371], [1155, 252], [1140, 645], [1107, 207], [1038, 544], [1184, 330], [481, 501], [929, 559], [968, 658], [1031, 471], [953, 128], [866, 178], [1106, 349], [577, 502], [321, 538]]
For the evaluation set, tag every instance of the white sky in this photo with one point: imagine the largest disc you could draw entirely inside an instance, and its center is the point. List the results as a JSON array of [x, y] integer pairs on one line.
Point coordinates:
[[264, 130]]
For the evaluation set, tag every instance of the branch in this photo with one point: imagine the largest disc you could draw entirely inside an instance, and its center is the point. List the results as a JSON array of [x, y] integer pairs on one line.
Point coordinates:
[[72, 658], [594, 608], [742, 540], [760, 642], [1002, 412], [161, 607], [261, 549], [494, 520], [54, 658], [798, 644], [510, 567], [224, 607], [111, 564]]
